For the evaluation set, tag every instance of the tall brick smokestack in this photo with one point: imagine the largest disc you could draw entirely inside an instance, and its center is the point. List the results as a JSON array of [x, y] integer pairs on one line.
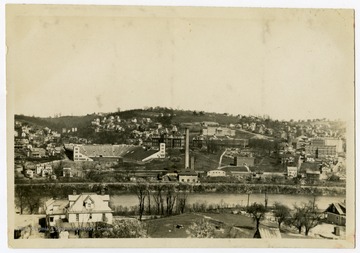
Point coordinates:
[[186, 148]]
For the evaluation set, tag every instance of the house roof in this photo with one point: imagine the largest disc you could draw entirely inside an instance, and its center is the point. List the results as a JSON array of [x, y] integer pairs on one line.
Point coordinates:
[[100, 203], [216, 170], [56, 206], [187, 172], [309, 166], [270, 233], [291, 168], [337, 208], [38, 150], [139, 153]]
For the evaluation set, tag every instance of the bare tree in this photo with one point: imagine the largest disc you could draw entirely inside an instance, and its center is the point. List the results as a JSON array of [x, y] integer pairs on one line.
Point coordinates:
[[158, 198], [311, 216], [182, 197], [20, 198], [297, 219], [27, 198], [306, 216], [281, 213], [171, 197], [257, 212], [181, 201], [148, 202], [141, 191]]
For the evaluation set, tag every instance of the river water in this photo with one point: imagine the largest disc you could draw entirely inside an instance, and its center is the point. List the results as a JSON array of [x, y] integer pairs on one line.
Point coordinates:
[[238, 199]]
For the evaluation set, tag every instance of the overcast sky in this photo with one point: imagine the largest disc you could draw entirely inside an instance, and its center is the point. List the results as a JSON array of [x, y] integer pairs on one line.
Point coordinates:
[[286, 63]]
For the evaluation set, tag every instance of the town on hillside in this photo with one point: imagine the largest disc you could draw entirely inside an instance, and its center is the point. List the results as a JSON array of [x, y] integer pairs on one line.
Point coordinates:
[[166, 173]]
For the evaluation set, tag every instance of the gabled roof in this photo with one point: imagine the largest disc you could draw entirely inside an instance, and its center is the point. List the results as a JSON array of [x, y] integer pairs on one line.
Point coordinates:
[[337, 208], [269, 233], [100, 203], [187, 172], [56, 206]]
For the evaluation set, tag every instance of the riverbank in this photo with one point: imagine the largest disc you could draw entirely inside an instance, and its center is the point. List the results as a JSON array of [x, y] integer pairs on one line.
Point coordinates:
[[63, 189]]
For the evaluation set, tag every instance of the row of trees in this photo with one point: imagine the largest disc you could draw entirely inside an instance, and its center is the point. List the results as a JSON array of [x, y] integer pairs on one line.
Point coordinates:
[[27, 199], [163, 197], [305, 216]]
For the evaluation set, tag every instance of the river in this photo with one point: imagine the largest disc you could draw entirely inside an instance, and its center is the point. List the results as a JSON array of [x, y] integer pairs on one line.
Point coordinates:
[[237, 199]]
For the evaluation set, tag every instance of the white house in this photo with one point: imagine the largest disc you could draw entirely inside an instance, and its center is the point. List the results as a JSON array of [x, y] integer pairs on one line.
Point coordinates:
[[89, 207], [216, 173], [188, 176], [292, 171], [67, 172], [39, 168], [47, 171], [78, 210]]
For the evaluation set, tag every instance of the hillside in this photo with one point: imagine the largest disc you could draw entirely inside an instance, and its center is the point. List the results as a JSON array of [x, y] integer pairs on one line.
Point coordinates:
[[59, 122], [177, 117], [181, 118]]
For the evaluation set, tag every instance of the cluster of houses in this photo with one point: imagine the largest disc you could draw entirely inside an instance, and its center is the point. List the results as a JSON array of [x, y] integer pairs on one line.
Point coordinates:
[[114, 123], [317, 169], [35, 142], [45, 170], [286, 130], [41, 170]]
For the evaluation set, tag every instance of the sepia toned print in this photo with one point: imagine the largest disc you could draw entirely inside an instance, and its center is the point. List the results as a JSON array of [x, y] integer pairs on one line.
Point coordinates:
[[180, 127]]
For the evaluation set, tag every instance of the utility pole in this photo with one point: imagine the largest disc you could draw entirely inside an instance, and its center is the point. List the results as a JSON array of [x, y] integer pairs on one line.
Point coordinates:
[[248, 200], [266, 200], [313, 206]]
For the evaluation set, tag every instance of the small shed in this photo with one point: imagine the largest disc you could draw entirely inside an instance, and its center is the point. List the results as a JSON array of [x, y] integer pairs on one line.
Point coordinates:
[[336, 213]]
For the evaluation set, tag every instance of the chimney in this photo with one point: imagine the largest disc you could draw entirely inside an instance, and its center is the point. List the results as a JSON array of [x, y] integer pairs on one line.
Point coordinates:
[[186, 148], [74, 192], [192, 163]]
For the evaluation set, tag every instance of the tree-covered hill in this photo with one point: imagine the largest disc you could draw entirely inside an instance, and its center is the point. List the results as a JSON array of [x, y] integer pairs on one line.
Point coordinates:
[[59, 122]]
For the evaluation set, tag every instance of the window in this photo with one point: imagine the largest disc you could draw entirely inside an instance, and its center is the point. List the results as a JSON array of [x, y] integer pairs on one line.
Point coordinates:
[[90, 216], [51, 219], [77, 217], [104, 217]]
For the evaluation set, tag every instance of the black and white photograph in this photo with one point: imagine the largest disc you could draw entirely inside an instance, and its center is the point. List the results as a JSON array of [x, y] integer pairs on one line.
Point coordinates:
[[180, 126]]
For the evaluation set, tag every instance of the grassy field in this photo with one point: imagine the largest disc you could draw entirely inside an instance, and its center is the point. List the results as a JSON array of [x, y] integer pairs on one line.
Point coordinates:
[[268, 164], [227, 225]]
